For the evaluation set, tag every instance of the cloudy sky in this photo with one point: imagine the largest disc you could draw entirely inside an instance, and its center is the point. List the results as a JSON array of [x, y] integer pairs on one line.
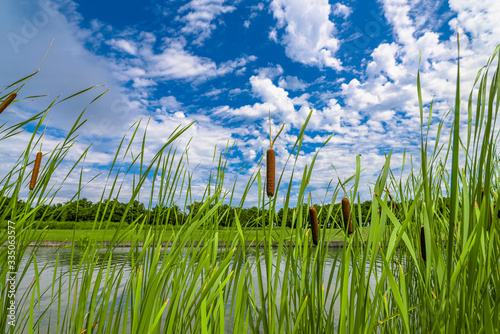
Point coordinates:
[[227, 64]]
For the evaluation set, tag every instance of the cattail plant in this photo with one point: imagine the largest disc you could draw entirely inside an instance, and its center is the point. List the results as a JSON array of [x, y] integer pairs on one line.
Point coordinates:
[[346, 214], [422, 243], [36, 169], [270, 172], [313, 218], [7, 101], [270, 161], [38, 162]]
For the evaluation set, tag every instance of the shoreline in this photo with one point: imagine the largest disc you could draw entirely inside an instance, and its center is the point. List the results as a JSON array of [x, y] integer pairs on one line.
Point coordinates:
[[329, 244]]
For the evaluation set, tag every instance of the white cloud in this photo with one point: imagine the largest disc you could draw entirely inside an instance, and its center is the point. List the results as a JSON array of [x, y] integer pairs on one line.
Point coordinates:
[[292, 83], [176, 63], [172, 62], [384, 62], [235, 91], [309, 33], [255, 10], [141, 82], [342, 10], [264, 88], [273, 35], [169, 103], [214, 93], [274, 99], [124, 45], [241, 71], [270, 72], [199, 16]]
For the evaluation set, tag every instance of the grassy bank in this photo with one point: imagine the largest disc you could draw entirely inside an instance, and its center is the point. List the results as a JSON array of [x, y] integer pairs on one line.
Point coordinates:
[[224, 234]]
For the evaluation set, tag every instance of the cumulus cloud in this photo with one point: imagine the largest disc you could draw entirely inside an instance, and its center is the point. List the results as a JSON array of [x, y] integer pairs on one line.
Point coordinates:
[[309, 35], [292, 83], [273, 99]]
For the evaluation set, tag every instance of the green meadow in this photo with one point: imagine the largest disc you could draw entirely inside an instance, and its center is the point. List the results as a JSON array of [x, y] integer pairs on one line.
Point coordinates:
[[224, 234], [429, 261]]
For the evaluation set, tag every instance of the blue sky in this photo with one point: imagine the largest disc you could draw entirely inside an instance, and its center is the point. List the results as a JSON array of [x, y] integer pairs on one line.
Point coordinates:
[[227, 63]]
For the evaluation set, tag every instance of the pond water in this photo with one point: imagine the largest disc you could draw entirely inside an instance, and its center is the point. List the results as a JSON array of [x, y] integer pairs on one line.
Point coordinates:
[[46, 258]]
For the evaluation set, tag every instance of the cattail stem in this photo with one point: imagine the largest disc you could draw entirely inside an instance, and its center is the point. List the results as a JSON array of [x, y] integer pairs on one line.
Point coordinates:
[[7, 101], [36, 169], [270, 172], [313, 217], [422, 243], [346, 214]]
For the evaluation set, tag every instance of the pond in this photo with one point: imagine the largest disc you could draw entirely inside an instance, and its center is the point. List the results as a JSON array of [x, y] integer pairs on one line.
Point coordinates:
[[69, 259]]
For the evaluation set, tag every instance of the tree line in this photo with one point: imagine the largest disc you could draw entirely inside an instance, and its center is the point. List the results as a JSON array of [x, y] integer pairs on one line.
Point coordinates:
[[83, 210]]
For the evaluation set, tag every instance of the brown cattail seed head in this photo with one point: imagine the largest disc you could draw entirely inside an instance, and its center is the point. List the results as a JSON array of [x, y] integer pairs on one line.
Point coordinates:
[[36, 169], [346, 214], [7, 101], [422, 243], [270, 173], [313, 217]]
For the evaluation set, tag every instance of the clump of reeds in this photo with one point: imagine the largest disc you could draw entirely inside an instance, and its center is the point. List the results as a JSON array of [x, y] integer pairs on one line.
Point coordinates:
[[422, 243], [7, 101], [346, 214], [270, 161]]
